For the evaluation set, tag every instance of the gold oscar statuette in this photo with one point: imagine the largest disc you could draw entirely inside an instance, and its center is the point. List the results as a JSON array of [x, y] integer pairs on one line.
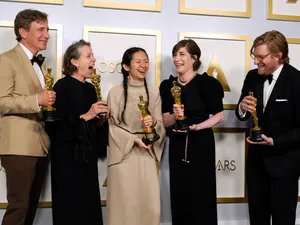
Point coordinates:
[[150, 135], [96, 80], [256, 131], [291, 1], [49, 112], [181, 122]]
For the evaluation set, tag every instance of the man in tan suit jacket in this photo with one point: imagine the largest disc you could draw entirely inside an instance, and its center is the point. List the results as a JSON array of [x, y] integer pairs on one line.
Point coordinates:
[[24, 143]]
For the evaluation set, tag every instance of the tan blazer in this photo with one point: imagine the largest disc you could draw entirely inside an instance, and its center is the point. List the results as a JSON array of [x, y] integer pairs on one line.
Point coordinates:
[[21, 128]]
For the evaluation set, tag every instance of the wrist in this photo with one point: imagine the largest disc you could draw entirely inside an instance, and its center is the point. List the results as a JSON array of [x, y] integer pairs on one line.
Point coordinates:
[[38, 100], [271, 141], [241, 108], [86, 117]]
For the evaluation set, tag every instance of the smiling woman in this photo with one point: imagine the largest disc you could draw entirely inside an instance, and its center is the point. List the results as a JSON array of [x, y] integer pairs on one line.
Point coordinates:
[[192, 179], [131, 162]]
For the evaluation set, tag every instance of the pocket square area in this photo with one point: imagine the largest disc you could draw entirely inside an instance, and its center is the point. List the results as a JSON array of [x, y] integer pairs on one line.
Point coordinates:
[[281, 100]]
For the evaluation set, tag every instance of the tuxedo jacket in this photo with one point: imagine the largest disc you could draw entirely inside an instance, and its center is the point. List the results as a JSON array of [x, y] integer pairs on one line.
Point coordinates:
[[280, 120], [21, 128]]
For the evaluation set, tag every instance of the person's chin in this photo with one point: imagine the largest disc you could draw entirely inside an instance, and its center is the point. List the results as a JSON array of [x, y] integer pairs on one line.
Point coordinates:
[[88, 75], [44, 44], [179, 71], [142, 76], [42, 48], [261, 72]]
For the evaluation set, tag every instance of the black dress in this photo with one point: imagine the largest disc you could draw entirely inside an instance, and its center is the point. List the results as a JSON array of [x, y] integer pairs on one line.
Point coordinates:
[[75, 148], [193, 185]]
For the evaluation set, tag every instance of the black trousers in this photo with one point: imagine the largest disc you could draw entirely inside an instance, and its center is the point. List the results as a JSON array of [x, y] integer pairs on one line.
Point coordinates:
[[270, 196]]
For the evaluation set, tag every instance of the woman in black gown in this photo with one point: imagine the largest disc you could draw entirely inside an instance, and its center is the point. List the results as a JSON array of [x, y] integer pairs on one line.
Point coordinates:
[[192, 176], [79, 137]]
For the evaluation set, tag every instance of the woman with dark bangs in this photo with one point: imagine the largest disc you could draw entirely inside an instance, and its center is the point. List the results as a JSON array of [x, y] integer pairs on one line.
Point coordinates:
[[192, 151]]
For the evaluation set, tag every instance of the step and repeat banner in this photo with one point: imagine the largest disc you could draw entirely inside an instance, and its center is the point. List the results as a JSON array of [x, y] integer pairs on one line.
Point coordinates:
[[108, 46]]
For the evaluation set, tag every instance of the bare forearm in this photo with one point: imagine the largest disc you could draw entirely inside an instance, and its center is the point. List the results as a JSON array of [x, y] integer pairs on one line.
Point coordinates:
[[212, 121], [169, 119]]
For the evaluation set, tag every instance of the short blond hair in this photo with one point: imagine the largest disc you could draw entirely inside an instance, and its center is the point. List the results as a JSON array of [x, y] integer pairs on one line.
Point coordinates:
[[276, 43]]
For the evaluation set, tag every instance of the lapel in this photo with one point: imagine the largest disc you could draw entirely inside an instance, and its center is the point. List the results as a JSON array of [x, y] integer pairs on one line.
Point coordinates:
[[28, 71], [259, 96], [276, 90], [44, 71]]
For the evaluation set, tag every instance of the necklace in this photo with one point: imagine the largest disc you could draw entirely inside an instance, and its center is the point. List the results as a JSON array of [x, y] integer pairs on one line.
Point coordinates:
[[180, 82], [186, 82]]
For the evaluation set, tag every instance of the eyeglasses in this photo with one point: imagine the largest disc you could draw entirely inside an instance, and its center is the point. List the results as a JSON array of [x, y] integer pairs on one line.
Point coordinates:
[[259, 57]]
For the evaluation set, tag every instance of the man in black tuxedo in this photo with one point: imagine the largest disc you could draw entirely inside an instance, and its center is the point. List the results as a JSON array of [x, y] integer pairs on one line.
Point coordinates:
[[273, 165]]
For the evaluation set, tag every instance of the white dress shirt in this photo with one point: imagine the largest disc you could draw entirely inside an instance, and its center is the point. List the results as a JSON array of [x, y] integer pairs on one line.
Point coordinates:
[[267, 90], [269, 87], [36, 67], [37, 70]]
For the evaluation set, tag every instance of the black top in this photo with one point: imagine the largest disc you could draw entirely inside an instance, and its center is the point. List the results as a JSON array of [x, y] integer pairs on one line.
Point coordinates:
[[201, 96], [75, 146], [193, 182], [280, 120], [74, 98]]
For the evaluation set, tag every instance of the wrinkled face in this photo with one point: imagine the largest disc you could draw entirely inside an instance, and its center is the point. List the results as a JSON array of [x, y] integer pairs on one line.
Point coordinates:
[[183, 61], [139, 66], [36, 38], [266, 62], [85, 63]]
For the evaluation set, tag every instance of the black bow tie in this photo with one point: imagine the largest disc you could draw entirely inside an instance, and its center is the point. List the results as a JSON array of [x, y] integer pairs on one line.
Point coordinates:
[[38, 59], [268, 77]]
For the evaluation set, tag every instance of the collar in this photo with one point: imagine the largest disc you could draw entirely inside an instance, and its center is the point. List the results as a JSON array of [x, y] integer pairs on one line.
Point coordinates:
[[136, 83], [277, 72], [26, 50]]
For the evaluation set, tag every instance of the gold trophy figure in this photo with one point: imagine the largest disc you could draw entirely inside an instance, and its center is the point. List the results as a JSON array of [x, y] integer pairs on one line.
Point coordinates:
[[256, 131], [150, 135], [181, 122], [96, 79], [49, 112]]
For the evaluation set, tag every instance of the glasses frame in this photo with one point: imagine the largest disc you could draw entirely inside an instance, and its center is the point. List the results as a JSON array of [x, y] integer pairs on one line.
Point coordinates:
[[259, 58]]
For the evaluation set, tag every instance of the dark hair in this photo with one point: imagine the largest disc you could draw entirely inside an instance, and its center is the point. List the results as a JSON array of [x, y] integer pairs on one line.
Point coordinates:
[[72, 53], [276, 43], [25, 18], [191, 48], [126, 60]]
